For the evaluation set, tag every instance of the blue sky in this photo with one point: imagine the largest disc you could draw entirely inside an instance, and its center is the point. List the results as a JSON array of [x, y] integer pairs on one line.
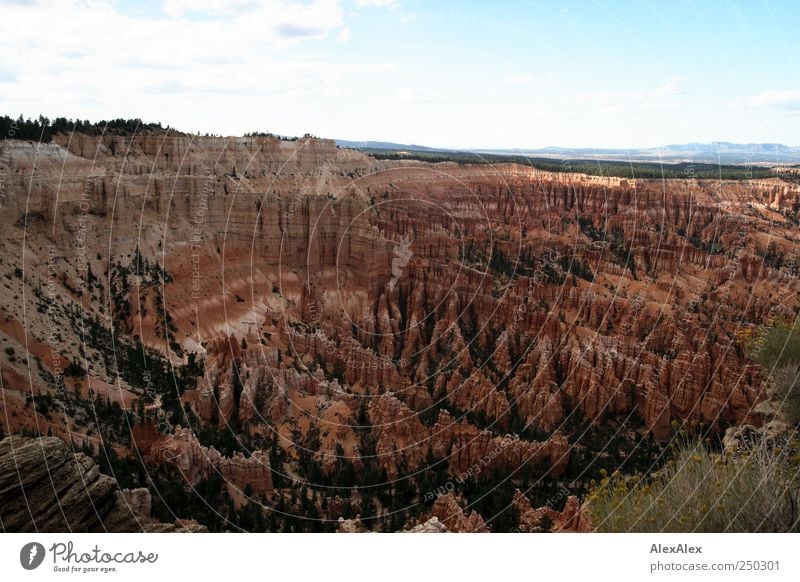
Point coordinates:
[[450, 74]]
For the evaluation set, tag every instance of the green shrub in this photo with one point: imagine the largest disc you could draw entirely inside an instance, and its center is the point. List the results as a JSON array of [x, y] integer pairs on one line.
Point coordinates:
[[775, 345], [783, 393]]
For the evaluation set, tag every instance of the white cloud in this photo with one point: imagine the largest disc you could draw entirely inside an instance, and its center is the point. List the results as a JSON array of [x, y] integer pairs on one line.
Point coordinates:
[[90, 59], [788, 99], [416, 95], [178, 8], [344, 36], [672, 87], [549, 79], [623, 101], [518, 79], [378, 3], [282, 20]]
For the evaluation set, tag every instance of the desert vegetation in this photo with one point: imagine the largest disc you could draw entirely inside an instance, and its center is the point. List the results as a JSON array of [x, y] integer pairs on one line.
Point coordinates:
[[750, 485]]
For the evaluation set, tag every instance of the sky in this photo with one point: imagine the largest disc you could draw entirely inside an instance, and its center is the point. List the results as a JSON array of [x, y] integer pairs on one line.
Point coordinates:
[[511, 74]]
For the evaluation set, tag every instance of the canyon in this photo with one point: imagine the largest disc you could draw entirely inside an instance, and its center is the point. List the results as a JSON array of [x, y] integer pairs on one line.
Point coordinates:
[[294, 333]]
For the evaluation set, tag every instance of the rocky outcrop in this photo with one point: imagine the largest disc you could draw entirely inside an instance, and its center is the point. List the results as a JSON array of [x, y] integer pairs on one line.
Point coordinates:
[[196, 462], [138, 500], [447, 510], [573, 518], [46, 487], [351, 525], [775, 436], [433, 525]]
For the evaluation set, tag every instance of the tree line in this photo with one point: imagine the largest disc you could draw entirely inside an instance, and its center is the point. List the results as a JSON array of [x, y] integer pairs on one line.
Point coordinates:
[[43, 129]]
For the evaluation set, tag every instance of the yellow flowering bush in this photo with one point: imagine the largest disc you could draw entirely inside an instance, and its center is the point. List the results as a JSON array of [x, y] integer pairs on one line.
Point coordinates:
[[700, 491]]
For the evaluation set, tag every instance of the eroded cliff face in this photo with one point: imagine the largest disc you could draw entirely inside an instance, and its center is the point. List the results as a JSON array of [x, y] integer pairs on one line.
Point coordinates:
[[314, 315], [46, 487]]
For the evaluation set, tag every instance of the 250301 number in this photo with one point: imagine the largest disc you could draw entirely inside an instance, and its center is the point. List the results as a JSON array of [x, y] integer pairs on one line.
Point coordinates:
[[752, 565]]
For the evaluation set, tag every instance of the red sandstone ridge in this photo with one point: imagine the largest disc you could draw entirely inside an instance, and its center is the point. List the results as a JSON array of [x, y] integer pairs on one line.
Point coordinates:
[[194, 462], [403, 441], [449, 512]]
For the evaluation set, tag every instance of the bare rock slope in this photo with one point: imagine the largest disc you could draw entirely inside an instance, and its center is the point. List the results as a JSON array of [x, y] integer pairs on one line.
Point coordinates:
[[46, 487]]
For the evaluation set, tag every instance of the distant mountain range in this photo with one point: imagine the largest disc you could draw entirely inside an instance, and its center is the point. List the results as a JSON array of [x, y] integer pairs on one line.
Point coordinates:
[[388, 145], [714, 152]]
